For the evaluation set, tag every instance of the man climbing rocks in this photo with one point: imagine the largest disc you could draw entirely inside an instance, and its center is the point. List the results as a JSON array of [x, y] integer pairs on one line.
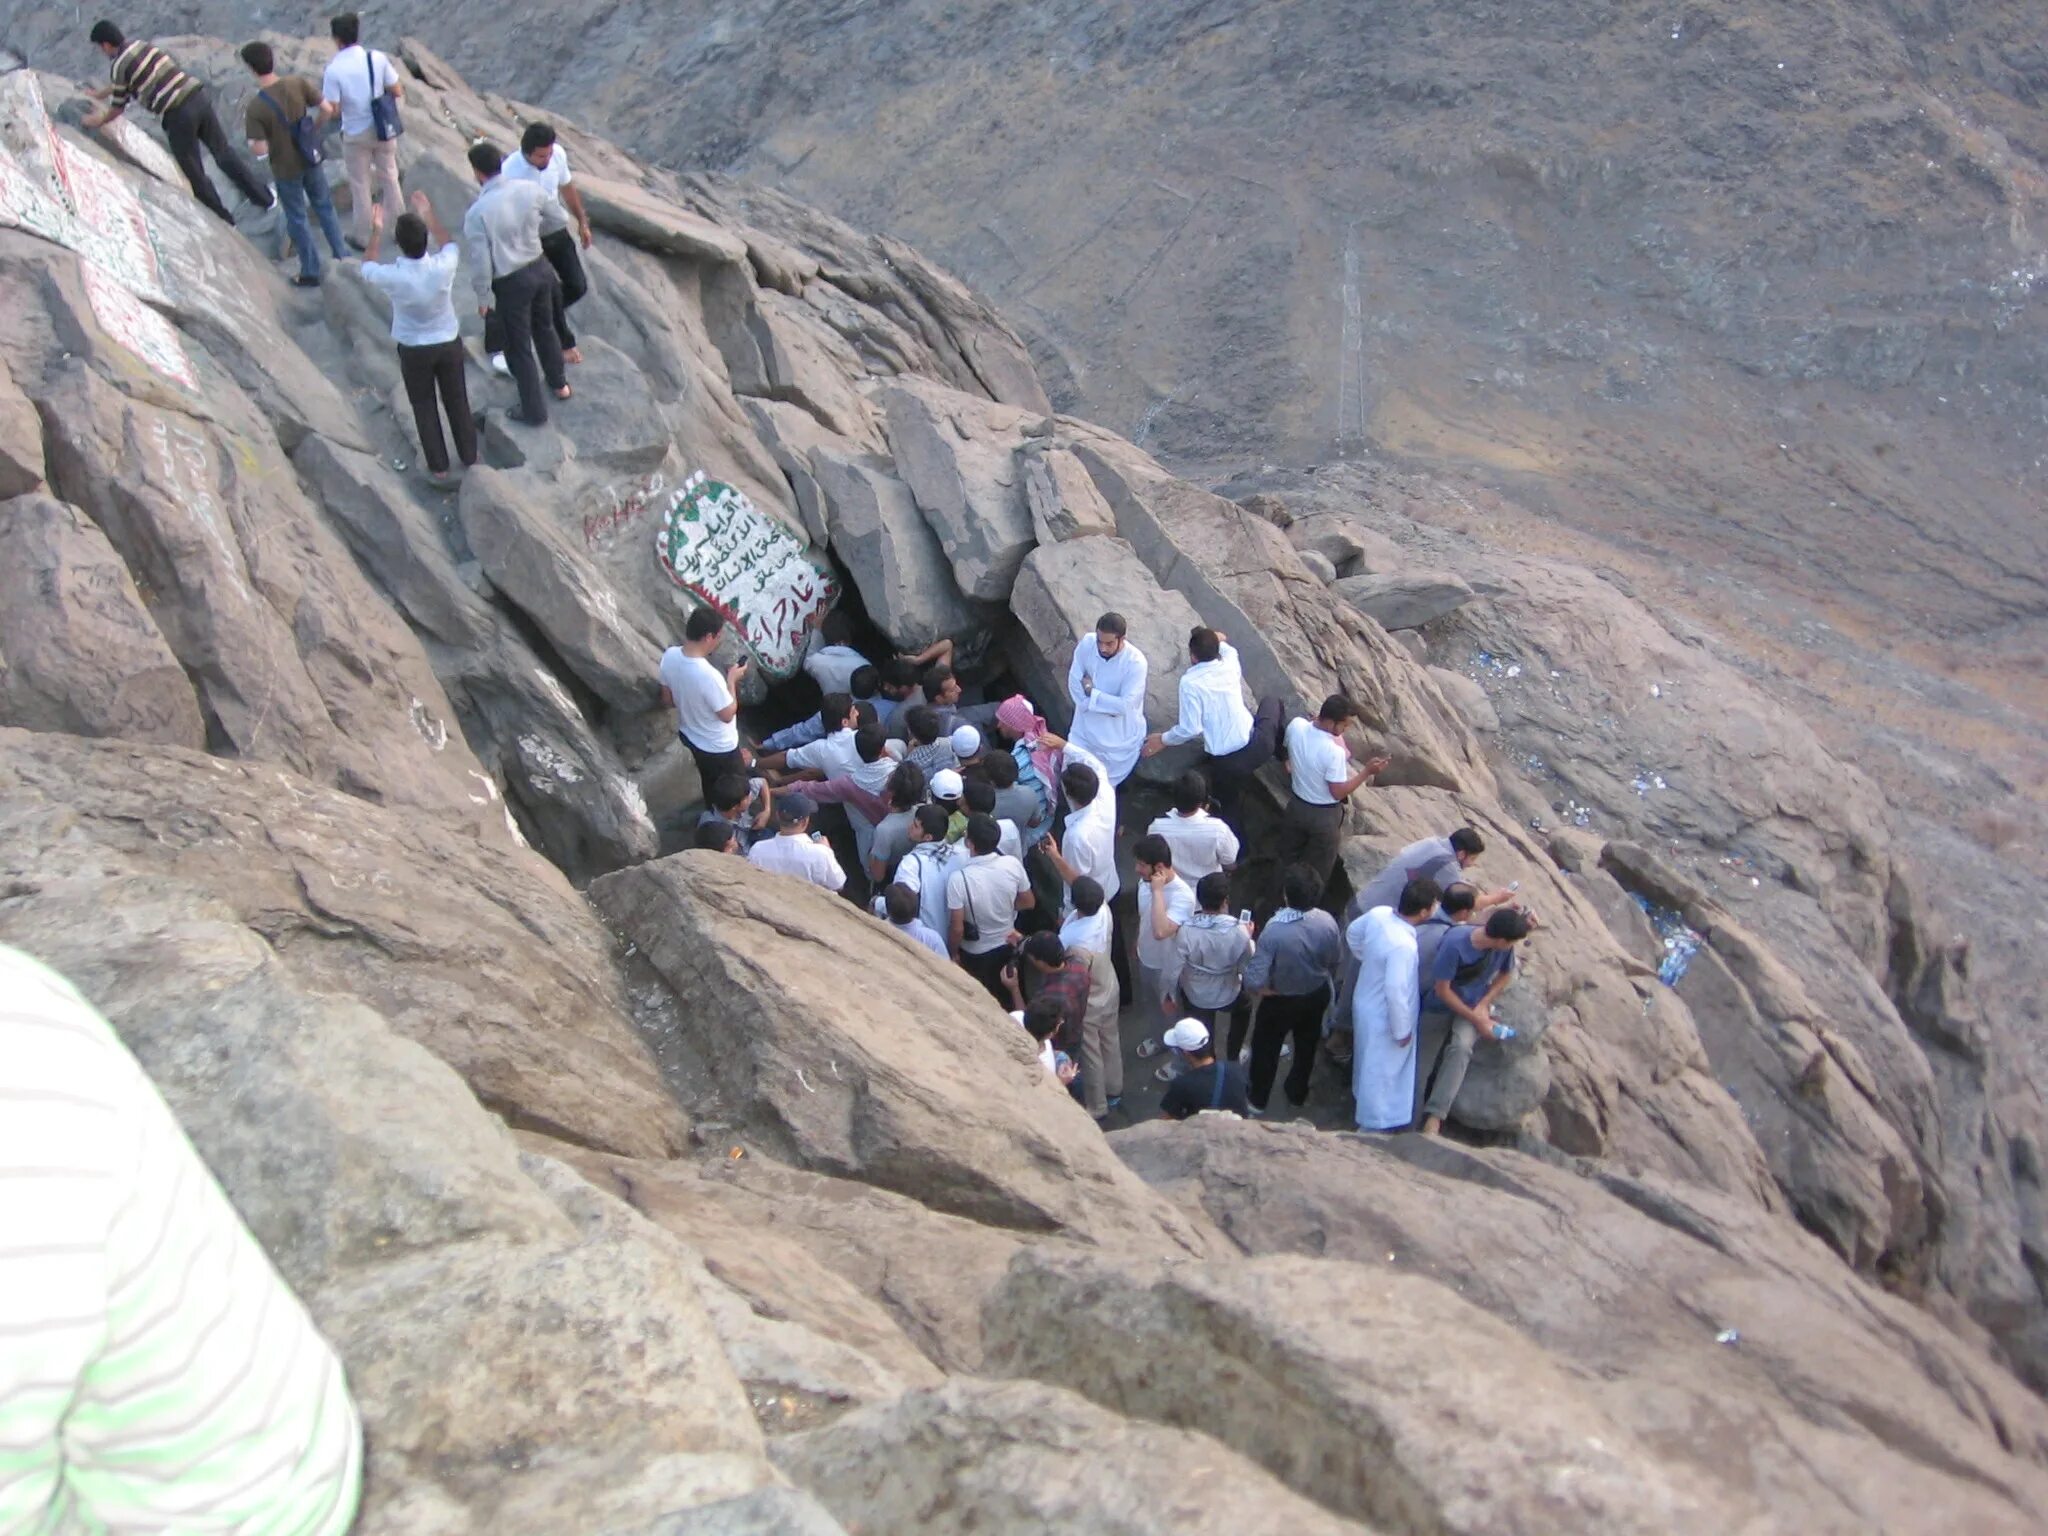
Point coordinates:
[[140, 72]]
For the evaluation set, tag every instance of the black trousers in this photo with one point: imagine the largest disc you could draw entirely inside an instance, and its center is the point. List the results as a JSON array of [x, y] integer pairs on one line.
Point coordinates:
[[711, 764], [988, 970], [524, 303], [1230, 773], [1311, 835], [192, 123], [562, 254], [1279, 1017], [428, 371]]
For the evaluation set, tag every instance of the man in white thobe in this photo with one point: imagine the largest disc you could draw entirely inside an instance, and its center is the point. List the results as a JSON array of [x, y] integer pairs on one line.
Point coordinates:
[[1106, 681], [1384, 1008]]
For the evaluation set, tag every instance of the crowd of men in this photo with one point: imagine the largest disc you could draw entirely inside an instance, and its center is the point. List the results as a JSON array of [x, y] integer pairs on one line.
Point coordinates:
[[993, 843], [521, 238]]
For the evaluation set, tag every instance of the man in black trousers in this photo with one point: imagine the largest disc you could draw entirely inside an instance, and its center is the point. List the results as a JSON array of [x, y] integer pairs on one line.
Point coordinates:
[[142, 72], [501, 237]]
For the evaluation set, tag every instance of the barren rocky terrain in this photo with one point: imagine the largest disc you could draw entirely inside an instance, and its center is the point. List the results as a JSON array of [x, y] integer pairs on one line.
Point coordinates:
[[643, 1193]]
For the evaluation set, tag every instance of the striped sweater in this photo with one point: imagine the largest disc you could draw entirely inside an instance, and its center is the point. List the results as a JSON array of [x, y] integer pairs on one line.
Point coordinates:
[[144, 72], [155, 1373]]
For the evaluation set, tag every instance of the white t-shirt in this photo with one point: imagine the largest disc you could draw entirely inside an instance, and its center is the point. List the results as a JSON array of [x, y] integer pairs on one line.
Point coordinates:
[[805, 857], [700, 693], [834, 756], [347, 84], [1180, 906], [550, 178], [1094, 934], [1090, 843], [1202, 844], [421, 293], [1316, 759], [986, 889], [833, 666]]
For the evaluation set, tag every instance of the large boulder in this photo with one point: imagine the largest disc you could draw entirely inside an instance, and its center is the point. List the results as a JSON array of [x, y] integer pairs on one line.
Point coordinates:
[[1379, 1394], [1064, 501], [832, 1042], [1062, 590], [483, 955], [906, 581], [959, 457], [1709, 1328], [654, 222], [1405, 599], [78, 650], [1016, 1458]]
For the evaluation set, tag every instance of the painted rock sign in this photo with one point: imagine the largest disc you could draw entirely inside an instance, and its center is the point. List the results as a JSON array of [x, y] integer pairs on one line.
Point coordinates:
[[717, 546]]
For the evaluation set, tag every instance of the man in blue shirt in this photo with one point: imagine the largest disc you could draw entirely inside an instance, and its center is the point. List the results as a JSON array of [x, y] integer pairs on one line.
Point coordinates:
[[1473, 966]]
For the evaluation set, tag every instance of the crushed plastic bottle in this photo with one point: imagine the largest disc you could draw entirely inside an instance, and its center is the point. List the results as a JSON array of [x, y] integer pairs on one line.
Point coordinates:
[[1728, 1336]]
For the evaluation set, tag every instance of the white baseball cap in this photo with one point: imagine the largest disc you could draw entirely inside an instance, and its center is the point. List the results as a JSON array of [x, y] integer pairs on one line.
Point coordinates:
[[966, 741], [948, 785], [1188, 1035]]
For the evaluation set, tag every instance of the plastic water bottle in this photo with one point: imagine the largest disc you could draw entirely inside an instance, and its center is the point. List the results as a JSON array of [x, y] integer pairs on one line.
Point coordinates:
[[1504, 1031]]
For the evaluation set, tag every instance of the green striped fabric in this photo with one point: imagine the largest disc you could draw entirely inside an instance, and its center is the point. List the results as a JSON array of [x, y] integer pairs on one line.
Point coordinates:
[[155, 1373]]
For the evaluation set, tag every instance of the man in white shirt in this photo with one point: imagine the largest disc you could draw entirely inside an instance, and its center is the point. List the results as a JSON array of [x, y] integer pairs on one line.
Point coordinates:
[[795, 849], [832, 754], [1236, 742], [1088, 848], [1202, 843], [1165, 901], [546, 164], [355, 77], [512, 279], [704, 699], [421, 288], [1384, 1008], [983, 897], [1106, 680], [829, 656], [1319, 779]]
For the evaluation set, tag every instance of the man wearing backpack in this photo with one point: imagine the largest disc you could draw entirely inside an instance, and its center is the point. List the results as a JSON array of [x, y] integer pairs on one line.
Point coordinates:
[[282, 126], [362, 88]]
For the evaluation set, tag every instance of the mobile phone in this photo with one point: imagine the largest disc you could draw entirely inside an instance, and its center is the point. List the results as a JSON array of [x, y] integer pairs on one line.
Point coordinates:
[[1245, 916]]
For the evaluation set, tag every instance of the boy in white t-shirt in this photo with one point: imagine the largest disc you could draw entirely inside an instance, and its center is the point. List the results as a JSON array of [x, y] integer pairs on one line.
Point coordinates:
[[1320, 780]]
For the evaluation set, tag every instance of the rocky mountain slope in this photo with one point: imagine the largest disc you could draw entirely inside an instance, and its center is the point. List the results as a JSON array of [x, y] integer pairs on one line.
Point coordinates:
[[649, 1195]]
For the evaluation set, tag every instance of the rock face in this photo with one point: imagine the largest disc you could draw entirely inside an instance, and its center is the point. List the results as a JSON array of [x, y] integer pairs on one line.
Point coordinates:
[[78, 651], [842, 1046], [1624, 1284], [1016, 1456], [1405, 599], [484, 956]]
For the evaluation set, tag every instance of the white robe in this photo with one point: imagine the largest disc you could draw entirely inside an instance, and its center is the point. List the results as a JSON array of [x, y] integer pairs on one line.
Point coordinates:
[[1109, 720], [1384, 1005]]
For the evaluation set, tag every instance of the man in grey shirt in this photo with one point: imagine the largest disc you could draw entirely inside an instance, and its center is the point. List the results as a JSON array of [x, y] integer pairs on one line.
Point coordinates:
[[1206, 967], [1442, 859], [905, 790], [1292, 974], [501, 240]]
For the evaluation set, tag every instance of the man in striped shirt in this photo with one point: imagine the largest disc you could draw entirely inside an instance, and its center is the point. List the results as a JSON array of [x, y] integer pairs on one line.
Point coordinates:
[[142, 72], [155, 1373]]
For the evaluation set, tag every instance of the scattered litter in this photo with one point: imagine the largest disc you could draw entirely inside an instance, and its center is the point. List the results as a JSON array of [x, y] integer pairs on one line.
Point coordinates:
[[736, 1154], [1727, 1336], [399, 465], [1680, 942], [1656, 690], [1644, 782], [805, 1081]]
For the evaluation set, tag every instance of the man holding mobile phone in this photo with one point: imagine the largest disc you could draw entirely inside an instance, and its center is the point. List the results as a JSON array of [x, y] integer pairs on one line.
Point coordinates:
[[705, 700]]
